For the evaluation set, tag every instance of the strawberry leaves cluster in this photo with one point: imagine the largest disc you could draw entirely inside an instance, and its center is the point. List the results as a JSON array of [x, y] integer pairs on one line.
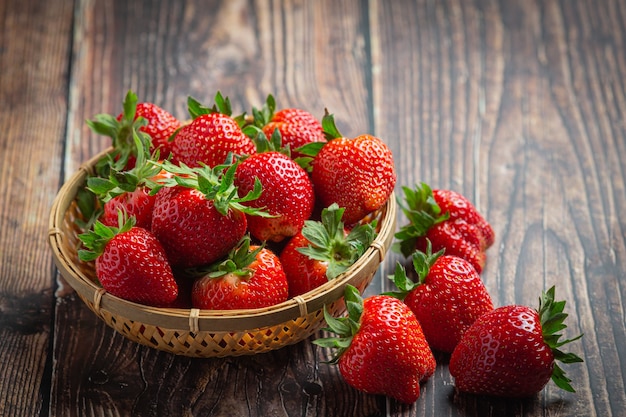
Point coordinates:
[[226, 208], [508, 351]]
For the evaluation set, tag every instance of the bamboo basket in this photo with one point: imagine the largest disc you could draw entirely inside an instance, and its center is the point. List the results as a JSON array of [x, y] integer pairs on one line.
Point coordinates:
[[205, 333]]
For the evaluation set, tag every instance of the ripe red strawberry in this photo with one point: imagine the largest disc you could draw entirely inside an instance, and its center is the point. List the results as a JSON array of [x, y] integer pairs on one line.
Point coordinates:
[[511, 351], [297, 127], [382, 349], [446, 219], [287, 193], [447, 298], [198, 216], [130, 263], [323, 250], [211, 135], [251, 277], [145, 117], [357, 173]]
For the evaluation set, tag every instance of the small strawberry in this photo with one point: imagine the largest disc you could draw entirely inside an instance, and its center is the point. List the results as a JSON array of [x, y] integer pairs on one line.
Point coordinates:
[[297, 127], [145, 117], [357, 173], [446, 219], [198, 215], [381, 347], [287, 193], [130, 263], [211, 136], [250, 277], [511, 351], [448, 297], [323, 250]]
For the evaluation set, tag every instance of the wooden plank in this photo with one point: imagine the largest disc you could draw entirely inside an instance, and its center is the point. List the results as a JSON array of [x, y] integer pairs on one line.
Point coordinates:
[[519, 106], [165, 52], [34, 51]]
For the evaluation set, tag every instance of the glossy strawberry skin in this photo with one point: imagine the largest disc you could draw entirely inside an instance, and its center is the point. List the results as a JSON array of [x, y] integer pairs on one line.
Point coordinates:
[[303, 273], [266, 286], [287, 194], [357, 174], [449, 300], [138, 203], [208, 139], [389, 354], [133, 266], [191, 230], [503, 354], [297, 128]]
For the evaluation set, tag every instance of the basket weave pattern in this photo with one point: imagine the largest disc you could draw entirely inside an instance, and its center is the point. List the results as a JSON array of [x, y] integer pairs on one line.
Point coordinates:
[[205, 333]]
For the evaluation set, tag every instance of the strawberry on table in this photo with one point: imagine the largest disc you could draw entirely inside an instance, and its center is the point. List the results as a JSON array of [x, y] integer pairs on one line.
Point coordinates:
[[323, 250], [447, 298], [287, 192], [448, 220], [356, 173], [130, 263], [211, 136], [381, 347], [250, 277], [198, 215], [512, 351]]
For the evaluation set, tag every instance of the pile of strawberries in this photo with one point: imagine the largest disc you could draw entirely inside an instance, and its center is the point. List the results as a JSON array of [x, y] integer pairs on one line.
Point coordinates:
[[228, 212], [385, 345], [238, 212]]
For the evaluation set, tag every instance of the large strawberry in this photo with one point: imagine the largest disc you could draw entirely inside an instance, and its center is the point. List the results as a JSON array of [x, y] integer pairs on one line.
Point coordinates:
[[198, 215], [447, 298], [323, 250], [145, 117], [287, 193], [381, 347], [446, 219], [511, 351], [356, 173], [250, 277], [296, 127], [130, 263], [211, 136]]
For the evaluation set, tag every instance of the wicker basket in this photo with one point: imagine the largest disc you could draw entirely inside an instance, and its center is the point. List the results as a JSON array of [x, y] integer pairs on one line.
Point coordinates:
[[205, 333]]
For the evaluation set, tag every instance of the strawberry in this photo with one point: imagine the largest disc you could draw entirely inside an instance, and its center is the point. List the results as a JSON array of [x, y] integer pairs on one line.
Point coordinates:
[[446, 219], [296, 127], [130, 263], [511, 351], [287, 192], [448, 297], [198, 216], [356, 173], [211, 135], [381, 347], [145, 117], [323, 250], [250, 277]]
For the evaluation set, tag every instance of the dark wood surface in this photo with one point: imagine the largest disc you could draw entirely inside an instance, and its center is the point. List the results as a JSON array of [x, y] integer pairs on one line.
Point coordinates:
[[518, 104]]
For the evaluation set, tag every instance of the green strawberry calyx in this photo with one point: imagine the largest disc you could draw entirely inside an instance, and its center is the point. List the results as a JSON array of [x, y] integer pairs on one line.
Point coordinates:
[[552, 319], [221, 104], [311, 149], [216, 184], [422, 212], [120, 131], [237, 262], [96, 239], [344, 327], [330, 244], [422, 263]]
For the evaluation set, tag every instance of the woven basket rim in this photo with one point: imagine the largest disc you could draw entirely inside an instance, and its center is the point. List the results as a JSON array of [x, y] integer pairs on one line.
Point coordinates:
[[196, 320]]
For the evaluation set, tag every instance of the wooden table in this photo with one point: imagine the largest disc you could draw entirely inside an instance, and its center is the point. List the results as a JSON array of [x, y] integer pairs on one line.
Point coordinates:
[[520, 105]]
